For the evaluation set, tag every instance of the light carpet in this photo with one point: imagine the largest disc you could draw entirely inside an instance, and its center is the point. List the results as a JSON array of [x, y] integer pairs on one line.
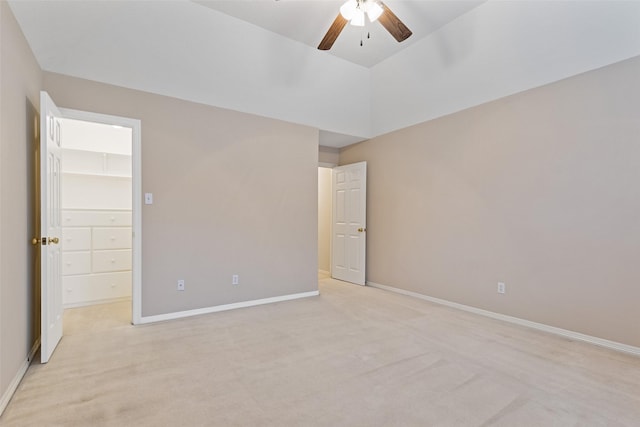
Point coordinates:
[[354, 356]]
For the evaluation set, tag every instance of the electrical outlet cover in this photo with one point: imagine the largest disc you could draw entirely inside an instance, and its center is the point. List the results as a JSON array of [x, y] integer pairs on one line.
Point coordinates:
[[501, 288]]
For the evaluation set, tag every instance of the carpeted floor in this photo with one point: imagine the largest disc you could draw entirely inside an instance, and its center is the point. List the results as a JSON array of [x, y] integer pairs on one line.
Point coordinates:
[[354, 356]]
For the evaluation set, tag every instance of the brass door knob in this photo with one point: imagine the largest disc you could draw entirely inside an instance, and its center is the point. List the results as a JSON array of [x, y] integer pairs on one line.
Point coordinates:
[[54, 240], [360, 230], [35, 240]]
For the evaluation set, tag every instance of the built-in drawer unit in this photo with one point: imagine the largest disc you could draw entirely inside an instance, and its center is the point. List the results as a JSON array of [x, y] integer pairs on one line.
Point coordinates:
[[76, 239], [80, 290], [112, 238], [79, 218], [76, 263], [112, 260], [96, 257]]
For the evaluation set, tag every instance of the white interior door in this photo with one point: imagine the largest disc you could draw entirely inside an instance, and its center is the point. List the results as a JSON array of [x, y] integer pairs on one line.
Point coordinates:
[[349, 240], [50, 226]]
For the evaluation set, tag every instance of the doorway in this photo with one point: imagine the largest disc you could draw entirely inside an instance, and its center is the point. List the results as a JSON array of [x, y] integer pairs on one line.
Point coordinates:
[[82, 257], [348, 224], [96, 206], [101, 236], [342, 222]]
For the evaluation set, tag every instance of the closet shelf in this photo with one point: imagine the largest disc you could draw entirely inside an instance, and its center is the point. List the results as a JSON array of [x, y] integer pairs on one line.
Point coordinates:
[[94, 152], [104, 175]]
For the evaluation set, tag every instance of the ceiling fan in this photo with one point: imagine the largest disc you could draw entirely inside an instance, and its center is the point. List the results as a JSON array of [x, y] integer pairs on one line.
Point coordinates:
[[354, 11]]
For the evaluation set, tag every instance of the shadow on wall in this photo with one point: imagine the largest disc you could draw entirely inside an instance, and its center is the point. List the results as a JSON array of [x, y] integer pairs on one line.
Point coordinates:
[[32, 160], [324, 219]]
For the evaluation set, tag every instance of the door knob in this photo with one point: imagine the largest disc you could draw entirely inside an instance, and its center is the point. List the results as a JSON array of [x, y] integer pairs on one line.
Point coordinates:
[[35, 240], [360, 230], [54, 240]]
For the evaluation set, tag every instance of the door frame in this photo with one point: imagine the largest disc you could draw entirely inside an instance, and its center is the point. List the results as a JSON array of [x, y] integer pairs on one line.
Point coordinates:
[[136, 203]]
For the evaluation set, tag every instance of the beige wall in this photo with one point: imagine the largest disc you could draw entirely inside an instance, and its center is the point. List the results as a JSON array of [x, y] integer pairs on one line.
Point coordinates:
[[20, 82], [324, 218], [328, 155], [233, 194], [539, 190]]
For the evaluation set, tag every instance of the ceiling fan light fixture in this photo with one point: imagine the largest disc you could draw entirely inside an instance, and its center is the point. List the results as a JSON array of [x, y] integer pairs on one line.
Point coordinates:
[[374, 10], [358, 18], [349, 9], [354, 11]]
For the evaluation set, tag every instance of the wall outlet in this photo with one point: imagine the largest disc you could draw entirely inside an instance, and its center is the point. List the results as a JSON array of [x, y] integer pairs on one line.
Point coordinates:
[[181, 285], [235, 279], [501, 288]]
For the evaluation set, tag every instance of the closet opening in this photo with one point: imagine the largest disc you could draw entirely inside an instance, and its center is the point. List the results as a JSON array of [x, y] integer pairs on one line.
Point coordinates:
[[98, 225]]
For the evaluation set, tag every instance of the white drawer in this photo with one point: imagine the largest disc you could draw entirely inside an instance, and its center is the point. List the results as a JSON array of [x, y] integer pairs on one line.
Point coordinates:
[[76, 239], [96, 287], [71, 218], [112, 238], [74, 289], [114, 260], [76, 263]]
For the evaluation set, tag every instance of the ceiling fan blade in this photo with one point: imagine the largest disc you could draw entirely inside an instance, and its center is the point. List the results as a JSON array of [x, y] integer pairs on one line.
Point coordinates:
[[393, 24], [333, 33]]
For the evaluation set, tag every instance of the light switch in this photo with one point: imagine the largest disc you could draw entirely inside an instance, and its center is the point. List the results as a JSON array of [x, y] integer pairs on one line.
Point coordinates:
[[148, 198]]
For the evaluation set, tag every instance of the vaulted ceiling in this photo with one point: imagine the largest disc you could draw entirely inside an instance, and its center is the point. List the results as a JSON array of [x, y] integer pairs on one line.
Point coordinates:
[[307, 21], [260, 56]]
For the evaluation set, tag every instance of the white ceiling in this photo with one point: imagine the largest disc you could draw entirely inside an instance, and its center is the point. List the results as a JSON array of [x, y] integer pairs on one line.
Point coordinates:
[[307, 21], [260, 57]]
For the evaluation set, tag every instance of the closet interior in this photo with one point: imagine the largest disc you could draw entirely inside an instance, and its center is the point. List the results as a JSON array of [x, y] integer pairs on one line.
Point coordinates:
[[96, 213]]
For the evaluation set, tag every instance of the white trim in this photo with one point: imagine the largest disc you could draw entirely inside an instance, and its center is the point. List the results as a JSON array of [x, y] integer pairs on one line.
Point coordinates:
[[217, 308], [136, 184], [95, 302], [613, 345], [136, 166], [328, 273], [13, 386]]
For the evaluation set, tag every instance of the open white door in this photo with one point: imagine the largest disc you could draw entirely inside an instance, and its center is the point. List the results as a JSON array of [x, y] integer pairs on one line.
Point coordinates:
[[50, 227], [349, 240]]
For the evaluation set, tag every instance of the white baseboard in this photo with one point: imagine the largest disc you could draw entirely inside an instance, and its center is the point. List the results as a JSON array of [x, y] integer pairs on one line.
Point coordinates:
[[13, 386], [625, 348], [217, 308], [95, 302]]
